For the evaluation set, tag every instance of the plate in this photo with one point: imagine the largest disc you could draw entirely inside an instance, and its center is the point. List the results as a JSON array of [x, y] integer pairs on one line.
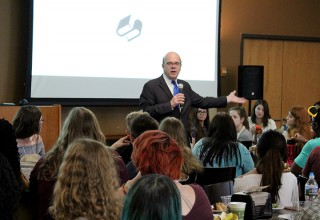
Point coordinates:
[[287, 216], [278, 208]]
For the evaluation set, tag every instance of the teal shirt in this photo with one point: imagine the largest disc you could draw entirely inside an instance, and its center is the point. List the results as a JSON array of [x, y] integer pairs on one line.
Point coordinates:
[[244, 165], [301, 159]]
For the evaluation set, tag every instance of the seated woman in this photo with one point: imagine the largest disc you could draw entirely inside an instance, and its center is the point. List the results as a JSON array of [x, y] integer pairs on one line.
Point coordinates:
[[27, 125], [312, 165], [10, 190], [221, 149], [301, 159], [87, 183], [9, 148], [270, 172], [156, 193], [298, 133], [298, 122], [240, 119], [174, 127], [80, 123], [260, 116], [199, 124], [155, 152]]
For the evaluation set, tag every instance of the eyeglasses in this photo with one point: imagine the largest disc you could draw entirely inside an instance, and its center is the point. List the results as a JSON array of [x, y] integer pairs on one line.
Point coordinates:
[[202, 112], [173, 64]]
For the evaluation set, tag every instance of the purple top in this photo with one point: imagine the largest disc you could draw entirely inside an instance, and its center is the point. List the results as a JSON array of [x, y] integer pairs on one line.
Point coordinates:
[[201, 208]]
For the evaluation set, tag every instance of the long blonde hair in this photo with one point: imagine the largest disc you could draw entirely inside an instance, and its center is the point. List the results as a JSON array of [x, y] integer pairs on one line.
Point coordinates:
[[80, 123], [87, 183], [175, 129]]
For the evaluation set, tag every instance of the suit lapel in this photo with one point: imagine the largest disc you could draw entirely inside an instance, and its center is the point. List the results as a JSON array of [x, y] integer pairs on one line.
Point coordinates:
[[163, 85]]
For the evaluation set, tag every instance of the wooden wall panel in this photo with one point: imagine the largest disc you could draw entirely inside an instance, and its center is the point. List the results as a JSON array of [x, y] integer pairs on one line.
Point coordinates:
[[50, 127], [301, 68]]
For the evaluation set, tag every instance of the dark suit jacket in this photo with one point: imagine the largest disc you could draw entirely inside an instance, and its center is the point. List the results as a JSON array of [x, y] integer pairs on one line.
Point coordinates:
[[155, 99]]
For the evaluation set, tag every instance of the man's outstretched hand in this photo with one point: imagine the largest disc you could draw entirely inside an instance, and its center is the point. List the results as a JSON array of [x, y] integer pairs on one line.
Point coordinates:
[[235, 99]]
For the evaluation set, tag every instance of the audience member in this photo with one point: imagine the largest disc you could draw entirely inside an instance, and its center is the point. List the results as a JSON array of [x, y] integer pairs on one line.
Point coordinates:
[[159, 98], [317, 104], [240, 119], [27, 125], [175, 129], [139, 124], [283, 186], [87, 183], [301, 159], [298, 122], [9, 150], [199, 124], [80, 123], [155, 152], [221, 149], [124, 146], [313, 111], [298, 133], [260, 116], [313, 165], [153, 196], [9, 190], [8, 147]]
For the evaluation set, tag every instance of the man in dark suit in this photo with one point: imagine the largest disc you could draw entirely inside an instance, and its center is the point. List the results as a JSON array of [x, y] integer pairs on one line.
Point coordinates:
[[158, 100]]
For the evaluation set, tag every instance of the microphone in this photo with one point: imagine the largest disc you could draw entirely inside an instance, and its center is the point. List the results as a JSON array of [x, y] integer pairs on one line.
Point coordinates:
[[180, 86]]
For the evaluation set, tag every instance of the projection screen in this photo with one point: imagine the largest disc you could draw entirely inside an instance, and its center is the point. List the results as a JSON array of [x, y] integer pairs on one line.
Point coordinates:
[[107, 49]]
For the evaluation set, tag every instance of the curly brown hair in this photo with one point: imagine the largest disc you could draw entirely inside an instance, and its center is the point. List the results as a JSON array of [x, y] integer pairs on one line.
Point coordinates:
[[80, 123], [87, 183]]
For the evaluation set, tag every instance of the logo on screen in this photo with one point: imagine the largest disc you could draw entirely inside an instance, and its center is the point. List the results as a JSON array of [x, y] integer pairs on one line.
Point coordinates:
[[129, 29]]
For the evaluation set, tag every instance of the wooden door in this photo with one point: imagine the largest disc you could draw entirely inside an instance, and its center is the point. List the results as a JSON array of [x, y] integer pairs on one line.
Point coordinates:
[[301, 74]]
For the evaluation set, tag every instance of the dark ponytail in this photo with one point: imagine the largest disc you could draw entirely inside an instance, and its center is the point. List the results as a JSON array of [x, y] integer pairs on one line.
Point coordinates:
[[271, 167], [272, 150]]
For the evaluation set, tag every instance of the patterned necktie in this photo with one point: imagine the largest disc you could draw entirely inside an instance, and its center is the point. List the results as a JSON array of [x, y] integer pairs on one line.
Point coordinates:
[[175, 88]]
